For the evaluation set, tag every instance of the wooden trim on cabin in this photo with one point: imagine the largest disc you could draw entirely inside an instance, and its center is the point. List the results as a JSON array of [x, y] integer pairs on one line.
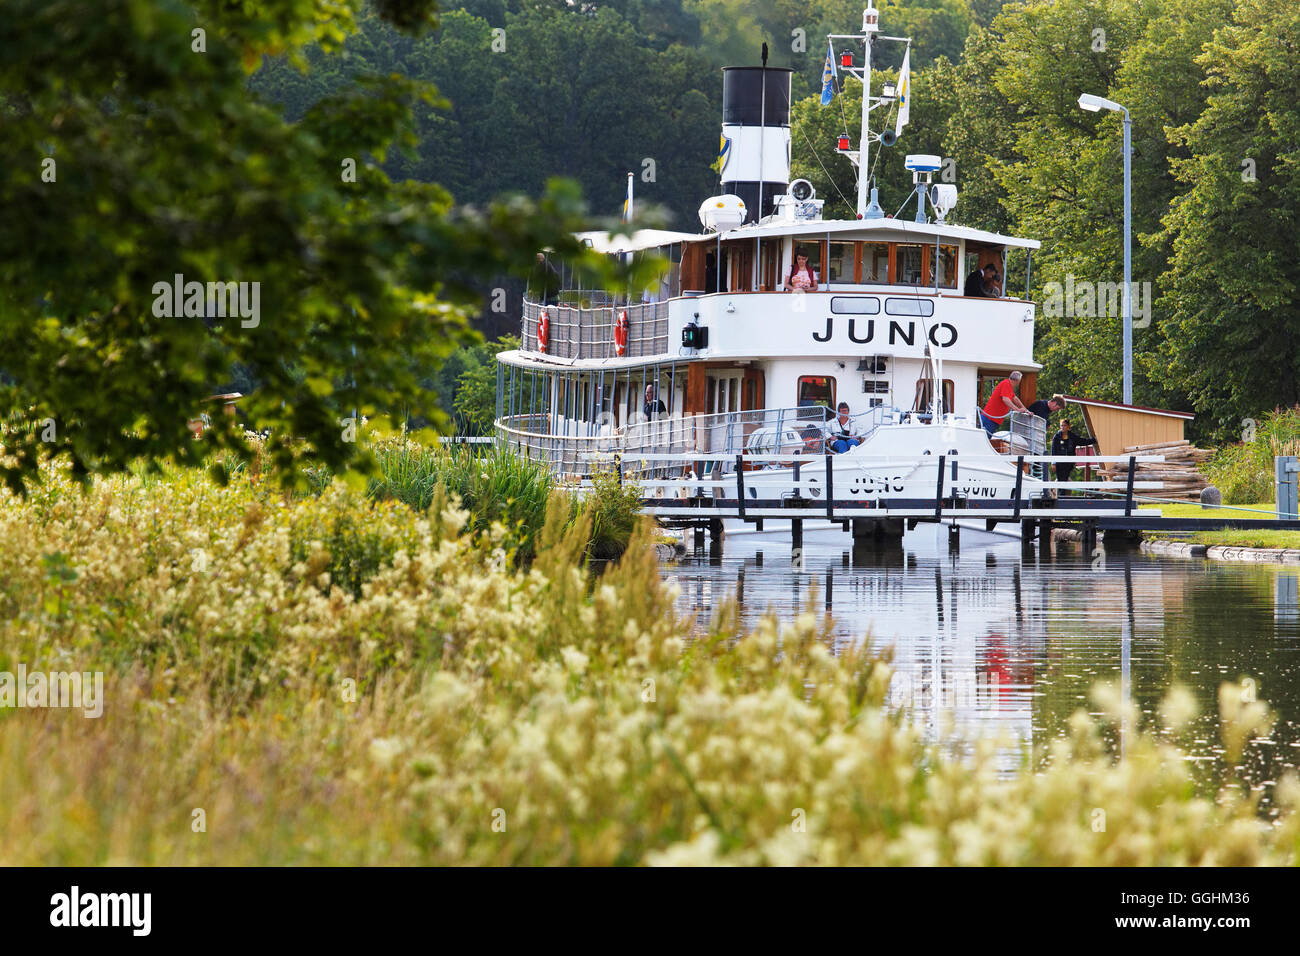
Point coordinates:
[[1028, 387], [695, 385]]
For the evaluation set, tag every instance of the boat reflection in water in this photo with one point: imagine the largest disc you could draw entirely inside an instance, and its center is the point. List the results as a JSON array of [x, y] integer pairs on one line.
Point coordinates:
[[990, 642]]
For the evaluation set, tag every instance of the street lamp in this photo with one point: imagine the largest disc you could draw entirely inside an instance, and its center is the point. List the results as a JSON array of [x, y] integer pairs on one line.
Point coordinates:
[[1094, 103]]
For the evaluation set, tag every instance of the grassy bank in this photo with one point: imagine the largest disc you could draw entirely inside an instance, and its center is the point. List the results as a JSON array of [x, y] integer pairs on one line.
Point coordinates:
[[1228, 537], [338, 679]]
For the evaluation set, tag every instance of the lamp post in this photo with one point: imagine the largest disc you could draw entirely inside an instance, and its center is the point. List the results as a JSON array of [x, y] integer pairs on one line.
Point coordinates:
[[1094, 103]]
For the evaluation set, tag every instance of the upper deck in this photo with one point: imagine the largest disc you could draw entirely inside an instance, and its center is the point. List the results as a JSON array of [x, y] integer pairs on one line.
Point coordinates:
[[884, 286]]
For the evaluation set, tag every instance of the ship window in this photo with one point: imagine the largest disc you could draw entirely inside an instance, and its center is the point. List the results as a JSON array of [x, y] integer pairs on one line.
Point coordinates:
[[947, 266], [909, 307], [855, 305], [816, 390], [769, 258], [875, 262], [925, 395], [839, 262], [910, 259]]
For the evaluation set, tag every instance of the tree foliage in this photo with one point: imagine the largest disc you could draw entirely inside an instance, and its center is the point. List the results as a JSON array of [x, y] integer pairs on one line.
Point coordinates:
[[162, 163]]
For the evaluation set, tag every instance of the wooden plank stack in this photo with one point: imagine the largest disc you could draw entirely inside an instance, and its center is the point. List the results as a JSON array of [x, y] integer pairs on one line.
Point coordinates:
[[1178, 471]]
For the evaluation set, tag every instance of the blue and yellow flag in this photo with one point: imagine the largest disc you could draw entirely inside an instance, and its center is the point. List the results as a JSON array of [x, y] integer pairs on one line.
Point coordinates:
[[828, 75]]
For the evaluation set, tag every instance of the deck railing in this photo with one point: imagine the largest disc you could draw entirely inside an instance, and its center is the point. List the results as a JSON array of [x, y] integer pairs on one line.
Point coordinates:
[[576, 447], [574, 332]]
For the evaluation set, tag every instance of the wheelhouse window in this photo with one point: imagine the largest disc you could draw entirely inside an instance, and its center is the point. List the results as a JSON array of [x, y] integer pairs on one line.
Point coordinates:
[[769, 264], [816, 390], [875, 262], [911, 264], [839, 262], [947, 270]]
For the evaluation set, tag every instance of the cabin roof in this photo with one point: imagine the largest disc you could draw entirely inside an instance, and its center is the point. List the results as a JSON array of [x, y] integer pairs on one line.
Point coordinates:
[[820, 227], [1098, 403], [614, 243]]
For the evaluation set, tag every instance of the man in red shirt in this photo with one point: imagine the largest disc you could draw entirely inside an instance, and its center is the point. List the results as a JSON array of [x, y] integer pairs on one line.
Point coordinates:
[[1001, 403]]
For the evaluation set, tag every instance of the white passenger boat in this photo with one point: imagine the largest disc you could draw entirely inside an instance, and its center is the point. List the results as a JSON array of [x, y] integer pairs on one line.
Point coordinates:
[[721, 361]]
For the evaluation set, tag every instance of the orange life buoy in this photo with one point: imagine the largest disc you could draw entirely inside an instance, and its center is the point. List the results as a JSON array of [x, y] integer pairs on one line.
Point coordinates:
[[543, 331], [620, 333]]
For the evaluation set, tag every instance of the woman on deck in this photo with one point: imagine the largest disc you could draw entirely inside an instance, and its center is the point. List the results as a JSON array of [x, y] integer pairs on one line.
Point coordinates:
[[801, 276]]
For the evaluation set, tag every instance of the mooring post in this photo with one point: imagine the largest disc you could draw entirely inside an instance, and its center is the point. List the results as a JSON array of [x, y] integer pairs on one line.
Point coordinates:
[[715, 530], [954, 537], [830, 489], [938, 492], [740, 486], [1045, 535], [1020, 473], [699, 537], [796, 534], [1128, 490]]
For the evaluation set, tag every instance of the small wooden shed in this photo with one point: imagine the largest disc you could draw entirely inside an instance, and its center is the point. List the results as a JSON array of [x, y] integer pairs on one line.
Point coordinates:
[[1117, 426]]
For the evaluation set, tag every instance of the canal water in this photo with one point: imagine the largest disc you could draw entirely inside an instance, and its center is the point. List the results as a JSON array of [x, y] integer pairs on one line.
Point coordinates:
[[1010, 644]]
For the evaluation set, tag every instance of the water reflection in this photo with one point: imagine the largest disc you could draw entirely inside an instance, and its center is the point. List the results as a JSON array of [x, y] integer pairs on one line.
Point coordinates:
[[1011, 643]]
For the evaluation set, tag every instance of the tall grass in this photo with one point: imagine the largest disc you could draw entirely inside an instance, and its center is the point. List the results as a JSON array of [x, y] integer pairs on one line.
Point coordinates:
[[341, 680], [498, 488], [1243, 472]]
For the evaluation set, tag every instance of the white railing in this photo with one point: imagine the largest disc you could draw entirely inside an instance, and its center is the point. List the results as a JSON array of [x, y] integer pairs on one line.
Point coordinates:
[[587, 333]]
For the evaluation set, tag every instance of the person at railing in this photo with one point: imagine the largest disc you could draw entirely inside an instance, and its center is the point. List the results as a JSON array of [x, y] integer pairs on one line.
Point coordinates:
[[801, 275], [1001, 403], [992, 284], [544, 281], [840, 436], [983, 283], [1044, 408]]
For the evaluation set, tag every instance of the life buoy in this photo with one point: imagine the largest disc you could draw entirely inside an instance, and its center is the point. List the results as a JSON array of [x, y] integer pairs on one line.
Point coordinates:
[[620, 333], [543, 331]]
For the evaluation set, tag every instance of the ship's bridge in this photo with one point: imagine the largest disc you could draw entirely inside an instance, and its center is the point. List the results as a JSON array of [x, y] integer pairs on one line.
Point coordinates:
[[880, 286]]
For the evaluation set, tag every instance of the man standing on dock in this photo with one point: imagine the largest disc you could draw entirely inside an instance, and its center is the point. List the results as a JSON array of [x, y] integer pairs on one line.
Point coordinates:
[[1001, 403]]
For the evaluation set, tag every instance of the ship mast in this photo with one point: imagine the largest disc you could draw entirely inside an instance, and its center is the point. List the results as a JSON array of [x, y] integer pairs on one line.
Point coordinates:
[[868, 208]]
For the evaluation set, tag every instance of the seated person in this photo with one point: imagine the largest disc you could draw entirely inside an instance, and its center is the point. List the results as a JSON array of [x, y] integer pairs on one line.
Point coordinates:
[[839, 431], [814, 440]]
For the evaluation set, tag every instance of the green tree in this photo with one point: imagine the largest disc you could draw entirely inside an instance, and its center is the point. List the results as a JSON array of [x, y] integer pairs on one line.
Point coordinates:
[[1233, 333], [476, 387], [135, 152]]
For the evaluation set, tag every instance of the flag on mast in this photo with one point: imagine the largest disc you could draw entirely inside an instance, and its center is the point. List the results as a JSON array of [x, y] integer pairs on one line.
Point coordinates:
[[828, 75], [627, 203], [904, 92]]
